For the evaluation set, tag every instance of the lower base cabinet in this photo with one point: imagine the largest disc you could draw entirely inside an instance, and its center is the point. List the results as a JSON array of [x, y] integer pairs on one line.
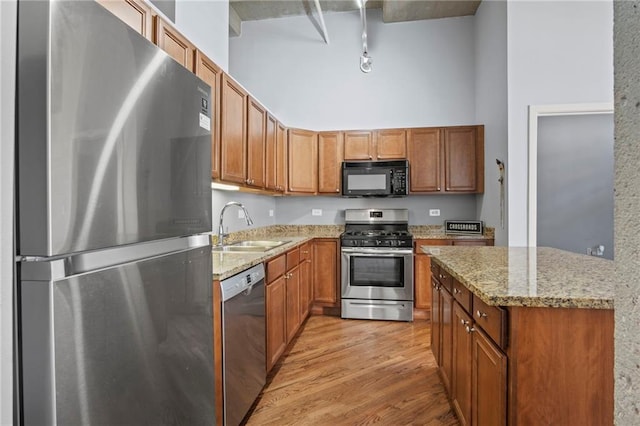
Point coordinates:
[[275, 307], [488, 382]]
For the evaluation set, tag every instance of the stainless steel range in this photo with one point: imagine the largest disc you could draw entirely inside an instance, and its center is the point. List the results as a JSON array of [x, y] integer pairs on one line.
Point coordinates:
[[377, 265]]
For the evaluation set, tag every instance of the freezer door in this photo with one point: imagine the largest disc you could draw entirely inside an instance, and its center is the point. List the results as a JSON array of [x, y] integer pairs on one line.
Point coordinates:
[[126, 345], [114, 141]]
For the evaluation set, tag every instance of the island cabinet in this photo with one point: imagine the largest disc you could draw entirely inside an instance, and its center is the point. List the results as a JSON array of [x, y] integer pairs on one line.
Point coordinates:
[[303, 162], [446, 160], [135, 13], [326, 276], [233, 137], [211, 74], [330, 151], [422, 270], [441, 321]]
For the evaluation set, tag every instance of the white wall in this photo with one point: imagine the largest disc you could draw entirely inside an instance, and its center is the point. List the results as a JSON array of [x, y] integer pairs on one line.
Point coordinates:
[[206, 24], [423, 71], [297, 210], [7, 89], [491, 107], [558, 52]]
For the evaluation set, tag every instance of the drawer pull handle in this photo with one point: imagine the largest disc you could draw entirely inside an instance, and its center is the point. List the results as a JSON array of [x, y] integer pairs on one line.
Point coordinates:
[[456, 291], [481, 314]]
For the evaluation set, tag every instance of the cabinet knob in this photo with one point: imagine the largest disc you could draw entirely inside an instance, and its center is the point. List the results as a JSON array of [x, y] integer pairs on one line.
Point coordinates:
[[470, 329], [463, 322], [370, 158], [337, 189], [456, 291], [481, 314]]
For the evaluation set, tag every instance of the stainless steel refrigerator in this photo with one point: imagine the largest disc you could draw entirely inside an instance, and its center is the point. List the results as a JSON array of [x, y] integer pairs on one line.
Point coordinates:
[[113, 197]]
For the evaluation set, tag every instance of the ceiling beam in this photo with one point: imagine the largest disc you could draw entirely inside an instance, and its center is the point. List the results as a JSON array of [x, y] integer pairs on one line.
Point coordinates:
[[235, 23]]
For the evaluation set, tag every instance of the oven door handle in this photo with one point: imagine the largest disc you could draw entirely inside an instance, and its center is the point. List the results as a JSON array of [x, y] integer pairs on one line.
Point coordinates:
[[376, 252]]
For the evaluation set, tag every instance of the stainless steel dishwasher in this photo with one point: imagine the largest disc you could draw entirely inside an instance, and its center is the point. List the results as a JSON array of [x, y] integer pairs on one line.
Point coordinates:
[[243, 342]]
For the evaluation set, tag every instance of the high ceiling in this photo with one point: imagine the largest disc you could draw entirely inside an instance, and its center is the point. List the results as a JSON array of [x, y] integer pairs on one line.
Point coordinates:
[[392, 10]]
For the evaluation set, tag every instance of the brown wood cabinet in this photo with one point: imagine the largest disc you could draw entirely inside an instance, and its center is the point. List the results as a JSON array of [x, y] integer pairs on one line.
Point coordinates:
[[488, 382], [256, 136], [303, 161], [233, 119], [391, 144], [135, 13], [330, 151], [281, 157], [461, 377], [326, 273], [306, 266], [447, 160], [270, 154], [174, 43], [211, 74], [358, 145], [275, 310], [436, 317], [446, 337]]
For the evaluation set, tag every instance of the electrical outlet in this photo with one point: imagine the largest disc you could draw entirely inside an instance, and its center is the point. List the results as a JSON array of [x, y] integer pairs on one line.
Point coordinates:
[[434, 212], [316, 212], [240, 214], [270, 212]]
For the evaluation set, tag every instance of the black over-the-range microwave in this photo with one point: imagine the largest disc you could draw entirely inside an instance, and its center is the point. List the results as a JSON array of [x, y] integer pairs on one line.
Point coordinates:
[[375, 178]]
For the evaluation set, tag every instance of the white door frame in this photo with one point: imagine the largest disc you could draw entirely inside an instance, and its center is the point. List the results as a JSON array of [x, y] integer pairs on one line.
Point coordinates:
[[535, 112]]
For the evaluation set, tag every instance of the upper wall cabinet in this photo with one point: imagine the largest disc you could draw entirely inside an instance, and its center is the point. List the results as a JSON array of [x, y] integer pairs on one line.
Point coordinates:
[[134, 13], [233, 120], [256, 128], [330, 149], [282, 165], [447, 160], [270, 154], [175, 44], [209, 72], [303, 161], [387, 144]]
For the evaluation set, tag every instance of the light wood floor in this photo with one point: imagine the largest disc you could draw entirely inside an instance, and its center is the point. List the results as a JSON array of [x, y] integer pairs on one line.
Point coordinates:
[[352, 372]]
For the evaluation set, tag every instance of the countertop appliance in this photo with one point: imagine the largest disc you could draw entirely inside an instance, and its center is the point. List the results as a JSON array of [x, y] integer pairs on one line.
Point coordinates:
[[377, 265], [375, 178], [244, 342], [115, 321]]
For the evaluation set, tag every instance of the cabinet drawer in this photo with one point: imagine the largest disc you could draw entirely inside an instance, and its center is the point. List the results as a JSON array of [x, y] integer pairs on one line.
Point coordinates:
[[492, 319], [462, 295], [293, 258], [445, 279], [275, 268], [305, 252]]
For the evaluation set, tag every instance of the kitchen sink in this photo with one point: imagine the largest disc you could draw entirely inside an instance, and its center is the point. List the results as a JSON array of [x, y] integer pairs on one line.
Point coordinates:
[[250, 245]]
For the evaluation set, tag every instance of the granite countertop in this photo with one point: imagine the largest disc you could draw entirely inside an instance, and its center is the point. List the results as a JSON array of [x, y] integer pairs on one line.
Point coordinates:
[[535, 277]]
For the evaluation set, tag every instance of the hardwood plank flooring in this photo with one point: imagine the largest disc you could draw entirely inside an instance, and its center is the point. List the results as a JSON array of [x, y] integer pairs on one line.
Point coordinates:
[[353, 372]]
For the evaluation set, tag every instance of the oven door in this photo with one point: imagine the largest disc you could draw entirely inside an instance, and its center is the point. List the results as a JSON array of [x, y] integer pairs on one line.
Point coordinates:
[[377, 274]]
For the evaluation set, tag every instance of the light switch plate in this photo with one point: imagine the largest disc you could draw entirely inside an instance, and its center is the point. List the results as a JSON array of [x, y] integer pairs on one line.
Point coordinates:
[[434, 212], [316, 212]]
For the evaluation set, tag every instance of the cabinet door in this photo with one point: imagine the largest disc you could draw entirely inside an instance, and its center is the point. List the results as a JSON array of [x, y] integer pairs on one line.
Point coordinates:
[[464, 159], [461, 379], [425, 160], [293, 302], [436, 321], [489, 382], [134, 13], [256, 126], [270, 154], [209, 72], [446, 301], [175, 44], [391, 144], [303, 164], [281, 158], [325, 271], [422, 281], [330, 149], [305, 280], [233, 166], [358, 145], [276, 302]]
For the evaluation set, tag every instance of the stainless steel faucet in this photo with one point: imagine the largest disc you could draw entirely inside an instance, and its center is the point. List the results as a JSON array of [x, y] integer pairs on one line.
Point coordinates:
[[221, 233]]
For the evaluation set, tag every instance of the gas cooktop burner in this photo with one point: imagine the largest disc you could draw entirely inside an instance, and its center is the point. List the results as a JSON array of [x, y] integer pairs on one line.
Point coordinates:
[[376, 233]]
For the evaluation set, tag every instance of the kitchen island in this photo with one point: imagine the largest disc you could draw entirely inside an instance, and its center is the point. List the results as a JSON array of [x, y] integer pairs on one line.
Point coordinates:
[[524, 335]]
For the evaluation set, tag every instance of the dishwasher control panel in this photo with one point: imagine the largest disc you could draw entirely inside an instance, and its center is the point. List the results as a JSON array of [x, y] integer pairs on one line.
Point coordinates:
[[242, 281]]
